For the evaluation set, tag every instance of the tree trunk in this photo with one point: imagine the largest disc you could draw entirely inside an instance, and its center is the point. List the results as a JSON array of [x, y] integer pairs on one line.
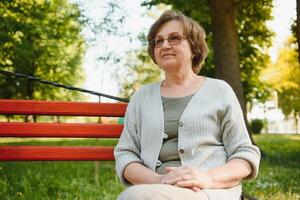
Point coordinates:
[[298, 28], [225, 46], [296, 121]]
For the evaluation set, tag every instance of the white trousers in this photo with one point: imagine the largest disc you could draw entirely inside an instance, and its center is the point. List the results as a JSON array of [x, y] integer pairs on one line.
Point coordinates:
[[170, 192]]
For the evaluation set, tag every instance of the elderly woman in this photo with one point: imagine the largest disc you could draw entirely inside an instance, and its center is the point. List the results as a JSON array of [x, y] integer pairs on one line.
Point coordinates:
[[184, 137]]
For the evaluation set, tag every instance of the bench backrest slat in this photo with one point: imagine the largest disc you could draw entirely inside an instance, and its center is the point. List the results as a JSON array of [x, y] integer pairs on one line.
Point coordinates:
[[53, 153], [69, 130], [31, 107]]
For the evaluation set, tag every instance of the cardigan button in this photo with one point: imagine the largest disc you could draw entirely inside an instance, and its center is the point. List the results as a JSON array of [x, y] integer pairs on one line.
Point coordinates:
[[158, 163], [165, 136], [180, 124], [181, 151]]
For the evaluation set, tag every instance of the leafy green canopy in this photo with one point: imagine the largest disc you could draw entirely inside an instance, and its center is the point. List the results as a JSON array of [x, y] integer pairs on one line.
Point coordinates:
[[40, 38]]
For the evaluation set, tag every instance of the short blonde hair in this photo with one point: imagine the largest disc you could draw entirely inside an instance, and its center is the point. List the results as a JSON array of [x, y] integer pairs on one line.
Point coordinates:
[[194, 33]]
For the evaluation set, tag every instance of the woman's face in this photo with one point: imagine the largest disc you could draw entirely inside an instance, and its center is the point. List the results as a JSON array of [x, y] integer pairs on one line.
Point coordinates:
[[172, 56]]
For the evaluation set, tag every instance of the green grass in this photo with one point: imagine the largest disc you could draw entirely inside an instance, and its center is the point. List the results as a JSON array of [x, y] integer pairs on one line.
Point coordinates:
[[279, 176], [59, 180]]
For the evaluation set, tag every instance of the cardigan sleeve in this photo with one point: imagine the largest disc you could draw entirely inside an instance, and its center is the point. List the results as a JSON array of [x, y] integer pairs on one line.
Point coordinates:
[[128, 148], [235, 136]]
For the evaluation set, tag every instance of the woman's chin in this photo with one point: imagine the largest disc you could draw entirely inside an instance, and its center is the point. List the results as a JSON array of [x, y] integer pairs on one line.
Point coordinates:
[[167, 65]]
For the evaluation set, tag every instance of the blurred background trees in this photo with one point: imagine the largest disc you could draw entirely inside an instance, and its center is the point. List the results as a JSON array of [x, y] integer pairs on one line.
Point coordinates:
[[283, 76], [41, 38], [140, 70]]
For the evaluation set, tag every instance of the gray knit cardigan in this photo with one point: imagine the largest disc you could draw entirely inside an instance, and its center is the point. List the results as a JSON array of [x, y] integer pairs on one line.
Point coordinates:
[[211, 130]]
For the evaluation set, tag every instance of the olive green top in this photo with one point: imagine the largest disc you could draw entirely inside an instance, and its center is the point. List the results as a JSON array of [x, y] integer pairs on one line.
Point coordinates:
[[173, 109]]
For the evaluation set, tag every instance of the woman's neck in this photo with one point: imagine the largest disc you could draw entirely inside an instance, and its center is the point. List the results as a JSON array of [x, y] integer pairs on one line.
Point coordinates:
[[177, 78]]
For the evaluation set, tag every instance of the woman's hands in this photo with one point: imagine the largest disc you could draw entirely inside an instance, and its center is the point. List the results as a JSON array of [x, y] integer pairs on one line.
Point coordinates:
[[187, 177], [225, 176]]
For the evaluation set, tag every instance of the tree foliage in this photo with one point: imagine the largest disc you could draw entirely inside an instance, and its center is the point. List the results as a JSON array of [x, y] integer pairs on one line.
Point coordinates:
[[109, 25], [254, 41], [40, 38], [296, 28], [283, 76], [140, 70]]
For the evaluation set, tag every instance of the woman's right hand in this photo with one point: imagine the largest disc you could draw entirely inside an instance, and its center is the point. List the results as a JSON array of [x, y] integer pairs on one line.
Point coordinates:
[[187, 177], [172, 173], [165, 177]]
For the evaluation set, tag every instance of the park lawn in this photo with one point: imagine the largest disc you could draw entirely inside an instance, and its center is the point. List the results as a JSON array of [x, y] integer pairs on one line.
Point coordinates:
[[279, 176]]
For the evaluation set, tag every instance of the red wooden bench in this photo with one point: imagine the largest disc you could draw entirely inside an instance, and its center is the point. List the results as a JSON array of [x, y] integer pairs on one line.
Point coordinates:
[[61, 130]]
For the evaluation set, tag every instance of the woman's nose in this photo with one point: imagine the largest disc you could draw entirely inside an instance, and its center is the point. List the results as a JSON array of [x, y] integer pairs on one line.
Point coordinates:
[[166, 44]]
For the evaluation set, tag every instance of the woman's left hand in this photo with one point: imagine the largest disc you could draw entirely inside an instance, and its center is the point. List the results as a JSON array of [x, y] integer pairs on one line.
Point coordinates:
[[188, 177]]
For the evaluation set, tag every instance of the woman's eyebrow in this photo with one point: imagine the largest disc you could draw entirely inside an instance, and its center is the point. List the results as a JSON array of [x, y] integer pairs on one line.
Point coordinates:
[[172, 33]]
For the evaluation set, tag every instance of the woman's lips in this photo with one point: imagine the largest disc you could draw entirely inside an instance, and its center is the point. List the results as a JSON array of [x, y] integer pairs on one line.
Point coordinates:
[[167, 55]]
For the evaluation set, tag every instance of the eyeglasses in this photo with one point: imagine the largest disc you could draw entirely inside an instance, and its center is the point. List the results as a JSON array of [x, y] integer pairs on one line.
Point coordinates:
[[172, 39]]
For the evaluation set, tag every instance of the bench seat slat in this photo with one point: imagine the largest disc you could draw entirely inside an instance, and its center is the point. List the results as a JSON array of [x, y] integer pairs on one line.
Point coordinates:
[[53, 153], [60, 108], [69, 130]]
